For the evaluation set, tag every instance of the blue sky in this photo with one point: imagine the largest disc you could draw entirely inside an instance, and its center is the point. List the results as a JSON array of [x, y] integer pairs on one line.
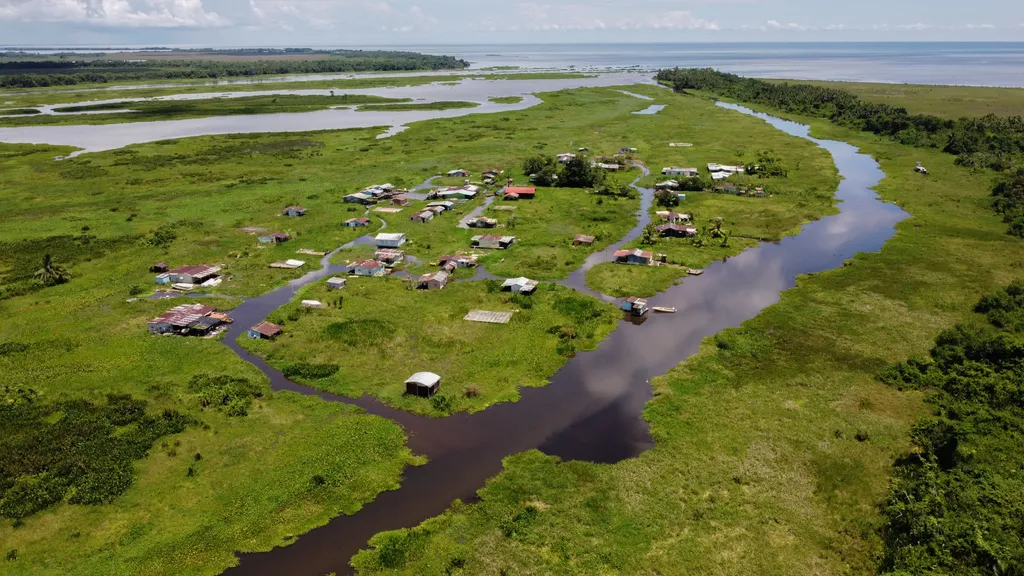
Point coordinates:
[[388, 22]]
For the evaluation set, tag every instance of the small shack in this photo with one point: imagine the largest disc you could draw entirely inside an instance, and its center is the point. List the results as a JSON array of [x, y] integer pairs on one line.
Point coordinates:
[[467, 192], [159, 267], [367, 268], [423, 384], [389, 256], [443, 204], [579, 239], [386, 240], [676, 231], [357, 222], [635, 306], [677, 171], [457, 173], [492, 241], [520, 193], [264, 331], [634, 256], [520, 285], [459, 261], [360, 198], [482, 222], [336, 283], [433, 281], [399, 200], [274, 238], [294, 211], [422, 217]]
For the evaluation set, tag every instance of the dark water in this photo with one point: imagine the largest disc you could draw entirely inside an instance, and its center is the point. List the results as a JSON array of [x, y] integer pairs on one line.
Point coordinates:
[[592, 408]]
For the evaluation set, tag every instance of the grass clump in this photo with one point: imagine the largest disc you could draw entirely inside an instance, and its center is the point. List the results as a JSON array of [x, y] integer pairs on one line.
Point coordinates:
[[229, 394], [412, 106], [506, 99], [72, 449]]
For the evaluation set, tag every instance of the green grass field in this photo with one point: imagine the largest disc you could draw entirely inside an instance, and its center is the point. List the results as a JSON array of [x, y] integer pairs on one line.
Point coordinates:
[[386, 330], [944, 101], [107, 216], [774, 445]]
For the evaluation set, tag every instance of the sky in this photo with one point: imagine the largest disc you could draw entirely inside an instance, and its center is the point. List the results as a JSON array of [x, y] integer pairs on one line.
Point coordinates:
[[356, 23]]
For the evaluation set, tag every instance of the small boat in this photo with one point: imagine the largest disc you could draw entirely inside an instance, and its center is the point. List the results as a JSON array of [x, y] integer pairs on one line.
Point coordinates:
[[664, 309], [694, 271]]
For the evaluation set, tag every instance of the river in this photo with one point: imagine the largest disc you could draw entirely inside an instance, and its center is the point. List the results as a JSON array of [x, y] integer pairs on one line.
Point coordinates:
[[95, 138], [592, 408]]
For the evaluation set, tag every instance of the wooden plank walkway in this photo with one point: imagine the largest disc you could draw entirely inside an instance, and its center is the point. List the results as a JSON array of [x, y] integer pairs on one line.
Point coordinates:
[[489, 317]]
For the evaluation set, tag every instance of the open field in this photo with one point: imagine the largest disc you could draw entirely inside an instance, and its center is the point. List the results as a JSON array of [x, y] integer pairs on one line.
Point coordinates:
[[107, 216], [386, 330], [775, 443], [944, 101]]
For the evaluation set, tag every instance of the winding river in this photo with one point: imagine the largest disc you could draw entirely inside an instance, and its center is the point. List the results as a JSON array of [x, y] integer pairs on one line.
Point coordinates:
[[592, 408]]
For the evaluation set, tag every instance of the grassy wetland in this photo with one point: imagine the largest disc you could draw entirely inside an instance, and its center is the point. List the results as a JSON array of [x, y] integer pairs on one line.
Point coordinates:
[[105, 217], [795, 489], [798, 488]]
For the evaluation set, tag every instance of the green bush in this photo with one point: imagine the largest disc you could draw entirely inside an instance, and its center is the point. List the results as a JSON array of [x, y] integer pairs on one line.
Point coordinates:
[[75, 449], [310, 371], [233, 396], [955, 506], [367, 333]]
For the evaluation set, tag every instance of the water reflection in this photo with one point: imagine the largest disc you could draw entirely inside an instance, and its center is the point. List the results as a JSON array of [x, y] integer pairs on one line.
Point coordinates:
[[592, 408]]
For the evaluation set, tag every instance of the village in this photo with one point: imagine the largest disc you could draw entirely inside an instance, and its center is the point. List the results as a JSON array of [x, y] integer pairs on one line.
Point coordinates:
[[390, 258]]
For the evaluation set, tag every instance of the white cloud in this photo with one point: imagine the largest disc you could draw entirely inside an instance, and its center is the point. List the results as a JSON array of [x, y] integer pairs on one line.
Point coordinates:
[[114, 13], [776, 25], [918, 26], [541, 17]]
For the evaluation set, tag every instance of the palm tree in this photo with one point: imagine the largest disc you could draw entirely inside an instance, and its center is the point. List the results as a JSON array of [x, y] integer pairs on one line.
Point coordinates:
[[52, 274], [716, 228]]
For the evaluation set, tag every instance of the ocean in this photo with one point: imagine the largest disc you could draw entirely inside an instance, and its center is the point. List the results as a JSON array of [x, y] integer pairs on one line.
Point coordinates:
[[963, 63]]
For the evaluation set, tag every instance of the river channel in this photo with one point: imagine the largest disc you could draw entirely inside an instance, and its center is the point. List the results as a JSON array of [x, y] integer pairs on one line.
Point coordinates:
[[592, 408]]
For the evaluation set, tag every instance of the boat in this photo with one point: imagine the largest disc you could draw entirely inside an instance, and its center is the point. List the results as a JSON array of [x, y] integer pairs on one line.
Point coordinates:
[[664, 309], [694, 271]]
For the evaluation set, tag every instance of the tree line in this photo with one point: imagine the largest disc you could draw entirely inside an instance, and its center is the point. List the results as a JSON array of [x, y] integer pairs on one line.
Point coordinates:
[[955, 504], [991, 141], [43, 72]]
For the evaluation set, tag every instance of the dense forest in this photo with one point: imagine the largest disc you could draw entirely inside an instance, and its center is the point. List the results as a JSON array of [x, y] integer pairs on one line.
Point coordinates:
[[988, 142], [957, 502], [20, 70]]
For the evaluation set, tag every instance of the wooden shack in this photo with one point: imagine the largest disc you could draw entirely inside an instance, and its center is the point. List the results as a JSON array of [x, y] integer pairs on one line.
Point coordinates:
[[423, 384]]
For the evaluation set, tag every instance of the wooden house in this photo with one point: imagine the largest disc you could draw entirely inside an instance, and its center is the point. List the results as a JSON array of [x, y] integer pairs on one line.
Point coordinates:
[[367, 268], [635, 306], [493, 242], [580, 239], [357, 222], [520, 193], [520, 285], [387, 240], [264, 331], [274, 238], [336, 283], [634, 256], [434, 280], [676, 231], [422, 217]]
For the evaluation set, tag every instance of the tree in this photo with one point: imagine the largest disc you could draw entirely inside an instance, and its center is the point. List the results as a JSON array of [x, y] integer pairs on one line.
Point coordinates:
[[716, 230], [768, 165], [649, 236], [547, 176], [52, 274], [537, 164], [578, 173], [668, 199], [1008, 200]]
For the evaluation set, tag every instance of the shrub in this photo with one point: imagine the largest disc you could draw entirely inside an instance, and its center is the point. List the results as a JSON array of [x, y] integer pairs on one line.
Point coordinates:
[[74, 449], [231, 395], [310, 371]]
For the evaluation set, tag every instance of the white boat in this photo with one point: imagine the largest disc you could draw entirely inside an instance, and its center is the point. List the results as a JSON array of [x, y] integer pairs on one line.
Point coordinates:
[[664, 309]]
